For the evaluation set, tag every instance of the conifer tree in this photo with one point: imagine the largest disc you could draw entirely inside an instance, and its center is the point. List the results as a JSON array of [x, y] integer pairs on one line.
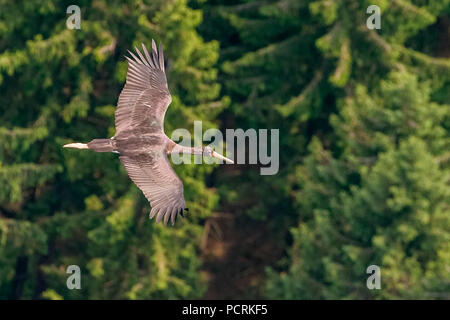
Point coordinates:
[[363, 118]]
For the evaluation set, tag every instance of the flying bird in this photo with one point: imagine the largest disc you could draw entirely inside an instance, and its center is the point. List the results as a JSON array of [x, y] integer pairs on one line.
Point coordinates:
[[140, 139]]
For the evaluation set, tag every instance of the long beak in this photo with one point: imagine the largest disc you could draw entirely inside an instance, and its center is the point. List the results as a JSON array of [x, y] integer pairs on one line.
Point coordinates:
[[219, 156]]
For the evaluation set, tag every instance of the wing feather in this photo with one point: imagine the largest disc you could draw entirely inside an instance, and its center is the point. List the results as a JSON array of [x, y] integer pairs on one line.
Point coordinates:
[[159, 183], [161, 58], [146, 94], [143, 60], [148, 56], [155, 54]]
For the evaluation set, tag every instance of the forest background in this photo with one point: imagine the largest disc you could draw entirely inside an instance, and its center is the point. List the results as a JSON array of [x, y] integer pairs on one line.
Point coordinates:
[[364, 175]]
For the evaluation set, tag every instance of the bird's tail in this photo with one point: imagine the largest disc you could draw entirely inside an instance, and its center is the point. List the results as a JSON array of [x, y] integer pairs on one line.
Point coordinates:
[[98, 145], [76, 145]]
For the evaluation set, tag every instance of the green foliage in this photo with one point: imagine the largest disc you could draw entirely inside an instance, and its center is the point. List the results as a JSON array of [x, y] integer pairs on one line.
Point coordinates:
[[363, 137], [375, 188], [384, 201]]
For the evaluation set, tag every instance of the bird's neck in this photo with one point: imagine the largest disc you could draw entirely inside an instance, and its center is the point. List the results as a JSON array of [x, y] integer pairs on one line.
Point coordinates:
[[186, 150]]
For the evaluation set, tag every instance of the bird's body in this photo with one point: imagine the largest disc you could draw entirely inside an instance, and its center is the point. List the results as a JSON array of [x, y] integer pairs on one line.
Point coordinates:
[[140, 139]]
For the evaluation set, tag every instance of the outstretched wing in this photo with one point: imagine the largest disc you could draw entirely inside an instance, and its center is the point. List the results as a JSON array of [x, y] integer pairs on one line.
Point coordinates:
[[160, 184], [144, 99]]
